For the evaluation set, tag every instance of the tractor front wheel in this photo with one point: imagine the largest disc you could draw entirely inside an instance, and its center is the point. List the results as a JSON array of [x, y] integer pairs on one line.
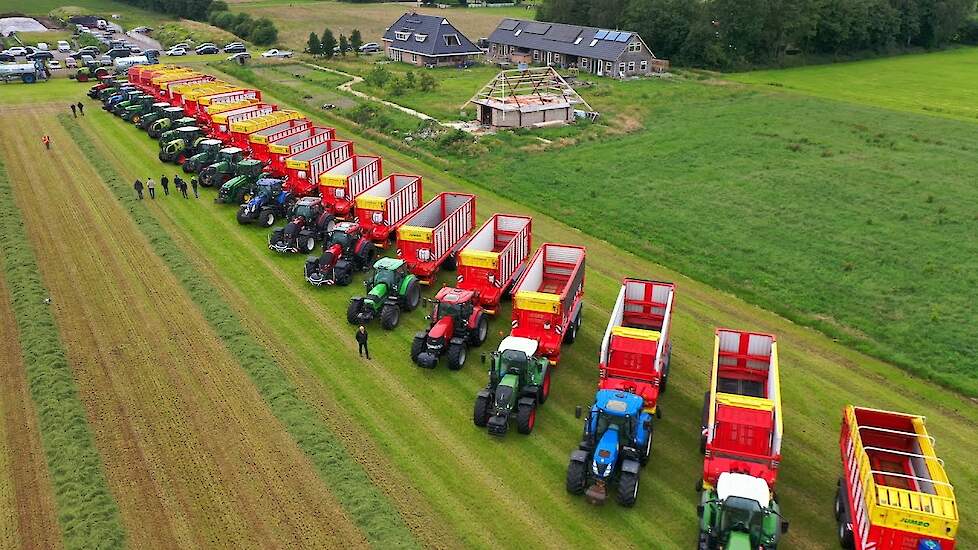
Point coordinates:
[[627, 489], [456, 356], [389, 316], [526, 418], [480, 415], [417, 346], [353, 312], [242, 215], [576, 477], [309, 244], [644, 459], [572, 329], [266, 218]]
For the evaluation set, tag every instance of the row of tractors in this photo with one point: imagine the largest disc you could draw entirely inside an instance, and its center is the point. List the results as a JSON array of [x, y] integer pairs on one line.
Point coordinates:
[[340, 210]]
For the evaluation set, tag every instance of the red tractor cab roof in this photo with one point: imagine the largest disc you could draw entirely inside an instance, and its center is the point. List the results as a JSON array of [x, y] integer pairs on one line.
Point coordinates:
[[449, 295], [347, 227]]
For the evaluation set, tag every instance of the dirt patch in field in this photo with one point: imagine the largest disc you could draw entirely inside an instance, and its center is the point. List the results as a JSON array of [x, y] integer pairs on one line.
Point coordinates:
[[29, 518], [192, 454]]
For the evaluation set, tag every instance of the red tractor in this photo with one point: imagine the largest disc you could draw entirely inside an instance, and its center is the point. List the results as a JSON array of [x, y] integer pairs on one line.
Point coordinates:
[[457, 322], [345, 252], [309, 223]]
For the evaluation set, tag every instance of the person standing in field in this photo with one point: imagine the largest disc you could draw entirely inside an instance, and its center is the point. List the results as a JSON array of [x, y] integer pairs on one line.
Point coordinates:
[[362, 341], [151, 187], [165, 184], [181, 185], [73, 109], [138, 186], [81, 108], [46, 140], [193, 183]]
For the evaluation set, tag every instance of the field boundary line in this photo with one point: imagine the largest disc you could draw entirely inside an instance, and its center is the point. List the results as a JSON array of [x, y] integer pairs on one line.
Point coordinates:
[[86, 509], [366, 504]]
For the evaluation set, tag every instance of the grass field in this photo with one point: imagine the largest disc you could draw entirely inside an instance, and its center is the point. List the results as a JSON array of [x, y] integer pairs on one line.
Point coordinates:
[[408, 430], [940, 84], [303, 17]]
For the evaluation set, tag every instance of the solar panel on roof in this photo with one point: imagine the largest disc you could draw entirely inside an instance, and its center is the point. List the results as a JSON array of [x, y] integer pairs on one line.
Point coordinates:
[[600, 35], [508, 24], [623, 37], [537, 28], [612, 36]]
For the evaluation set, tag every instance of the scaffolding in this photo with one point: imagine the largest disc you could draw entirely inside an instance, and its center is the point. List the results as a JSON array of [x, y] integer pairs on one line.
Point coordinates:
[[528, 90]]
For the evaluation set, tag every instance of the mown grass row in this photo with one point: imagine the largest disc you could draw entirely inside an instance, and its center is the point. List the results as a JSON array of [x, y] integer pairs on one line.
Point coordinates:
[[87, 511], [369, 509]]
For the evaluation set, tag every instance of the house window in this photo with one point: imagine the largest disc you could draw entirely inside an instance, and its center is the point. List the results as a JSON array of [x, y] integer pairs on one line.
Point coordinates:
[[556, 58], [584, 62], [420, 37], [635, 47], [645, 65], [518, 31], [492, 47], [536, 55], [452, 40], [402, 35], [607, 66], [621, 67], [414, 58], [631, 66]]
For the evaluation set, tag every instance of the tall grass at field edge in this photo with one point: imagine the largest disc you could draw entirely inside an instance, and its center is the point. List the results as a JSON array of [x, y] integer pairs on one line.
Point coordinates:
[[367, 506], [87, 511]]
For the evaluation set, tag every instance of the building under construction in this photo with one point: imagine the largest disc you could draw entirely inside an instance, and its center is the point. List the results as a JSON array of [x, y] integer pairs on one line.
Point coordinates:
[[527, 98]]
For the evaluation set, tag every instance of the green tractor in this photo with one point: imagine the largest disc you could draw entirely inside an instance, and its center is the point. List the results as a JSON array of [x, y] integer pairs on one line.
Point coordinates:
[[390, 288], [137, 108], [133, 98], [154, 114], [519, 381], [180, 143], [172, 117], [237, 189], [221, 169], [205, 156], [739, 513]]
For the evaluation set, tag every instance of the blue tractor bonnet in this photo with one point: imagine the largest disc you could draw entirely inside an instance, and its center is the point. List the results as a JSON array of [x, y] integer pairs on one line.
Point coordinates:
[[606, 453], [618, 403]]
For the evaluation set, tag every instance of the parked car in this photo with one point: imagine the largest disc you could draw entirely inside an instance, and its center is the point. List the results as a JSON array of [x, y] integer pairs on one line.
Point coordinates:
[[176, 51], [105, 60], [5, 57], [70, 63], [206, 49], [89, 50], [54, 64], [206, 44], [141, 29], [64, 46], [118, 52], [277, 53], [240, 57], [43, 46], [370, 47], [17, 51], [40, 55], [234, 47], [183, 45], [151, 53]]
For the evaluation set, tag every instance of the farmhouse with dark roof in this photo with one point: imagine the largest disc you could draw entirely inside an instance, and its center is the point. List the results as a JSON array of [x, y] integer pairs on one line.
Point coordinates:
[[427, 40], [602, 52]]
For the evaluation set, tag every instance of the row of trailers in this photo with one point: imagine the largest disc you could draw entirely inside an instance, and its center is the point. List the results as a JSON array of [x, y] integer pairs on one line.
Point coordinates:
[[894, 493]]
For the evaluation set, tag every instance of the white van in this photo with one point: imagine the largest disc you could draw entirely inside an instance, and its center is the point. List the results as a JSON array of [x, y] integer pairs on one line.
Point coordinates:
[[64, 46], [123, 63]]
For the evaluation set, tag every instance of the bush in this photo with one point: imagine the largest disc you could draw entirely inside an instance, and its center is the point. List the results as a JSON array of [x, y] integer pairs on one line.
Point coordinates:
[[427, 82], [377, 77]]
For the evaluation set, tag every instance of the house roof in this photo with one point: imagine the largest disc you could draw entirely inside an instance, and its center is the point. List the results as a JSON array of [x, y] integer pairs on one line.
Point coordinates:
[[561, 38], [428, 35]]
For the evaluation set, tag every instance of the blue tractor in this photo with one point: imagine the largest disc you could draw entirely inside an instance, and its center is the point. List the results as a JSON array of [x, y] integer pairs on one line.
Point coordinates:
[[617, 442], [269, 203]]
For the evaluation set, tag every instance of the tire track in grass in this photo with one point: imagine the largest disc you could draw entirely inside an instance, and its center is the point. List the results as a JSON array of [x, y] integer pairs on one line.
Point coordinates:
[[86, 510], [366, 506], [195, 457], [28, 515]]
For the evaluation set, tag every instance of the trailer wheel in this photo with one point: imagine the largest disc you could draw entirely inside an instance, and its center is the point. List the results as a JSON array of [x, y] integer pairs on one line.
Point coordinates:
[[480, 415], [544, 390], [576, 477], [353, 311], [526, 418], [627, 489], [839, 509], [450, 262], [845, 534], [389, 316], [456, 356], [664, 382], [412, 297]]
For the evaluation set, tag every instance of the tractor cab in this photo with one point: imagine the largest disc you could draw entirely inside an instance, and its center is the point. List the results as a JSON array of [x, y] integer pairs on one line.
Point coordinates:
[[266, 188], [387, 271], [391, 288], [206, 153], [249, 168], [155, 113], [307, 208], [187, 133], [345, 234], [176, 145], [740, 513], [241, 178]]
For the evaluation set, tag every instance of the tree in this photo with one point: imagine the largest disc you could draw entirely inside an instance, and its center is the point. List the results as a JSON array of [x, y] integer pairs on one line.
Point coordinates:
[[356, 41], [409, 80], [328, 43], [377, 77], [313, 45], [344, 45], [427, 82], [397, 86], [264, 32]]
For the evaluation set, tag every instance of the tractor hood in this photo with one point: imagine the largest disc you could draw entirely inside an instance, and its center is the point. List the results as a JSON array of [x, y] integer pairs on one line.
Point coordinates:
[[506, 394], [378, 293], [739, 541], [443, 328], [606, 454]]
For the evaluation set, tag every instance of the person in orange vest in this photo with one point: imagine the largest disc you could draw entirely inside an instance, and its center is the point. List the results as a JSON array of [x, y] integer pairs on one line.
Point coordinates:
[[46, 140]]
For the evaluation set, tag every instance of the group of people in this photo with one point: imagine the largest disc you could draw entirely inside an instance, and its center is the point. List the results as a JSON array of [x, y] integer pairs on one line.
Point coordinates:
[[178, 182], [77, 109]]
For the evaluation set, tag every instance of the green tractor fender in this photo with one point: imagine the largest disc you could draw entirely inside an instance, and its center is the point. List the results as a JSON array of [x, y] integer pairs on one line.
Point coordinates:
[[405, 283]]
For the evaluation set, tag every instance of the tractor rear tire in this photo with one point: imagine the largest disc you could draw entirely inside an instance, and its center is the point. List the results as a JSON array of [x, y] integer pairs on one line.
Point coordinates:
[[353, 312], [365, 257], [480, 415], [241, 216], [389, 316], [526, 418], [412, 297], [344, 277], [481, 332], [456, 356], [627, 489], [543, 391], [266, 218], [576, 477], [417, 346]]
